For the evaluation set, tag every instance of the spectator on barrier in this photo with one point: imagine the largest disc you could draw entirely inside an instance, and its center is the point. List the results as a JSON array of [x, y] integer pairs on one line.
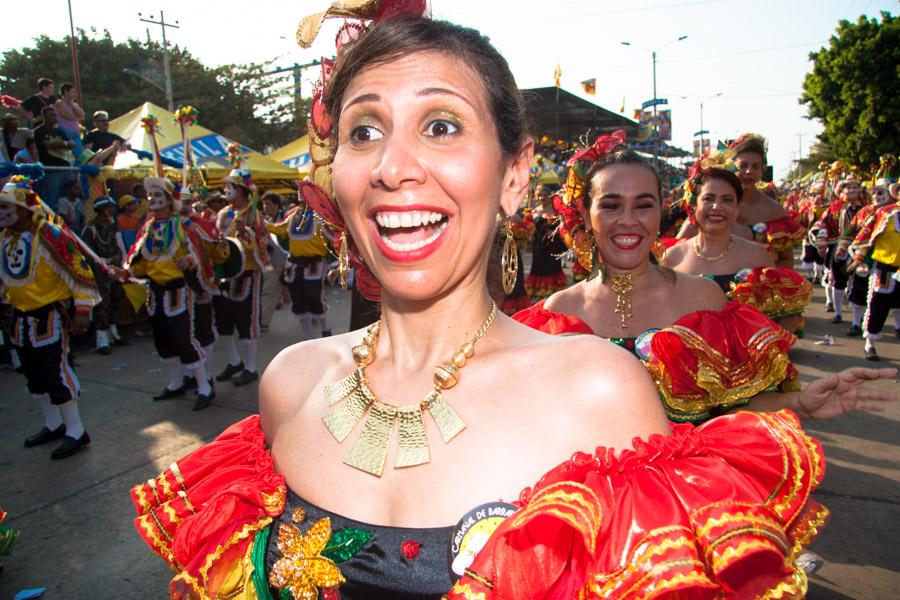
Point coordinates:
[[71, 206], [14, 136], [100, 137], [33, 106], [54, 150], [70, 114], [28, 154]]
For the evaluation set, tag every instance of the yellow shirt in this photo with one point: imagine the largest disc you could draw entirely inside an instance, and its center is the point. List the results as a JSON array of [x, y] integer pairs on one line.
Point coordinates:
[[305, 241], [161, 271], [887, 245], [45, 287]]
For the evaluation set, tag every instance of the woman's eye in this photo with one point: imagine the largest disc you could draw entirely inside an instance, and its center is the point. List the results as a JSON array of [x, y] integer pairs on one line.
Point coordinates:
[[608, 206], [441, 128], [365, 133]]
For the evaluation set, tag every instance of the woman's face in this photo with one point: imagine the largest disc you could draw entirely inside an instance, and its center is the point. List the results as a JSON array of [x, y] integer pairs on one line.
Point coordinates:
[[419, 174], [159, 202], [851, 190], [880, 195], [750, 166], [717, 206], [624, 215]]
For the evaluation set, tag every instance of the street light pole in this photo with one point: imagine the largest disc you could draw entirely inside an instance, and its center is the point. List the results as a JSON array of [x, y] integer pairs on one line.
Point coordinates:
[[162, 23]]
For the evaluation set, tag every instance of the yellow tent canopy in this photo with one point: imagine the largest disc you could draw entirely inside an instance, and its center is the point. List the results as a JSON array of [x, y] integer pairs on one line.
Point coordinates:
[[294, 155], [209, 149]]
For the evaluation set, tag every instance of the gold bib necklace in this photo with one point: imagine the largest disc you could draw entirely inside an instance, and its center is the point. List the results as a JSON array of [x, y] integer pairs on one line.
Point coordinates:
[[718, 257], [370, 449]]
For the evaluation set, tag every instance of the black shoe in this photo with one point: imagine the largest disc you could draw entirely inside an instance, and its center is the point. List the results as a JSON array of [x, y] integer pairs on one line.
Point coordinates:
[[119, 342], [70, 446], [212, 386], [829, 307], [855, 331], [104, 350], [245, 377], [230, 371], [190, 382], [836, 319], [326, 333], [167, 393], [872, 355], [45, 435], [203, 401], [897, 333]]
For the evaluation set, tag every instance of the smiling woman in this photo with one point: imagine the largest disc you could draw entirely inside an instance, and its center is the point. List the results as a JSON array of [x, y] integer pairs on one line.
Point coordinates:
[[313, 498]]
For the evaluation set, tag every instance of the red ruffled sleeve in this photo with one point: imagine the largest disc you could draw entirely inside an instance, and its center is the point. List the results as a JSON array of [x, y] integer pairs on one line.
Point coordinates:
[[201, 514], [717, 360], [721, 510], [554, 323], [783, 234], [777, 292]]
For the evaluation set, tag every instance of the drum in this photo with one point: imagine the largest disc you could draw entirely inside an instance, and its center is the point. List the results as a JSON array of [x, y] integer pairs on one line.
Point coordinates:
[[234, 264]]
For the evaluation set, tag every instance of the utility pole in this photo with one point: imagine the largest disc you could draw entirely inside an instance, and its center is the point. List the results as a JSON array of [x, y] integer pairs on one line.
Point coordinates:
[[74, 47], [162, 23], [799, 154]]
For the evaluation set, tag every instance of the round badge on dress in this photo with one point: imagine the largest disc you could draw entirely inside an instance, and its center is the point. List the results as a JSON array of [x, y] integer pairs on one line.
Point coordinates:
[[642, 344], [472, 533], [760, 227], [743, 275]]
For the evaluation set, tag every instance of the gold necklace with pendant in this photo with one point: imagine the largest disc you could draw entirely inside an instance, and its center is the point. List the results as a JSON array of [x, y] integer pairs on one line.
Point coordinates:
[[370, 449]]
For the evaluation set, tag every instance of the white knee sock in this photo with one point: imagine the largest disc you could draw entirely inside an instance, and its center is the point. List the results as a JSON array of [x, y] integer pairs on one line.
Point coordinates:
[[249, 355], [858, 312], [52, 417], [234, 358], [838, 302], [829, 294], [305, 325], [817, 270], [72, 419], [896, 312], [176, 373], [208, 363], [807, 268], [115, 332], [870, 343], [102, 338], [323, 321], [199, 372]]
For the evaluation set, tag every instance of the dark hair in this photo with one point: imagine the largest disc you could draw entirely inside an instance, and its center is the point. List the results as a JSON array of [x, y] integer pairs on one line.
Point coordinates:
[[619, 156], [48, 109], [403, 36], [44, 82], [272, 196], [726, 176], [751, 145], [138, 190], [66, 87]]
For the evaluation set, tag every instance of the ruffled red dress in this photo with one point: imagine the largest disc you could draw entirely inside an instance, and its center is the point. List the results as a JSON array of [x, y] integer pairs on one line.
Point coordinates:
[[705, 363], [719, 510]]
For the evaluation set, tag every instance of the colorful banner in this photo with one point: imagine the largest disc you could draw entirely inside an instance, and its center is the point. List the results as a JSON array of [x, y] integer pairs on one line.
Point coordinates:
[[663, 125], [698, 150], [590, 86], [557, 75]]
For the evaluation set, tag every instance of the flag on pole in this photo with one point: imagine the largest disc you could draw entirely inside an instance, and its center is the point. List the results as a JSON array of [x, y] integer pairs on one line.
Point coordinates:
[[589, 86], [557, 74], [622, 109]]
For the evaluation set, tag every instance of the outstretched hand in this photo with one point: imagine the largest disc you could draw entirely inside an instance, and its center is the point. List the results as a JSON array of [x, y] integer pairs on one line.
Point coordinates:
[[842, 392]]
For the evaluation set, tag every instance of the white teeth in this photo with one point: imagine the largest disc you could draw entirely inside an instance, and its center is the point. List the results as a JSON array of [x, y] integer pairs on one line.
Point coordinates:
[[414, 218], [414, 245]]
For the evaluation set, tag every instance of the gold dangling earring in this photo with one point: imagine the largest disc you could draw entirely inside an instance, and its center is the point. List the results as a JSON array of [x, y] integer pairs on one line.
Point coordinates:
[[344, 261], [509, 262], [659, 251]]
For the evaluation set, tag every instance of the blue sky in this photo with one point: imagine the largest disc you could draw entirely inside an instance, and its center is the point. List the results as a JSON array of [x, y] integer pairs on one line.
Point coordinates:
[[752, 52]]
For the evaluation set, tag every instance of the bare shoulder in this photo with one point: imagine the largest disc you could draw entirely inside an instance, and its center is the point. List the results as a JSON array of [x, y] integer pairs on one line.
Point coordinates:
[[675, 255], [295, 372], [609, 395], [757, 255], [567, 301], [703, 293]]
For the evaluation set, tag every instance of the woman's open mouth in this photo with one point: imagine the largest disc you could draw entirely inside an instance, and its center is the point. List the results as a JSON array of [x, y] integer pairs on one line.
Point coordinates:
[[409, 234], [627, 241]]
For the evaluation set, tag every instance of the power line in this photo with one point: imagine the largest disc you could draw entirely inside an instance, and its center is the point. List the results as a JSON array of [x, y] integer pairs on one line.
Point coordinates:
[[743, 52]]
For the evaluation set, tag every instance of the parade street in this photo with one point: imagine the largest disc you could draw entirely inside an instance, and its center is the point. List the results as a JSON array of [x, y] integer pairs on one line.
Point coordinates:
[[76, 517]]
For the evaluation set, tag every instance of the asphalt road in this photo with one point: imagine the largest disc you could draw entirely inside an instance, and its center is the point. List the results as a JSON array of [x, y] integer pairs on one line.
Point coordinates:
[[75, 515]]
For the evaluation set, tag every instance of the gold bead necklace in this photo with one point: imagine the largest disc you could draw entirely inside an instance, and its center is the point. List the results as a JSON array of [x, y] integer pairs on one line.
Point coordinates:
[[369, 452], [712, 258]]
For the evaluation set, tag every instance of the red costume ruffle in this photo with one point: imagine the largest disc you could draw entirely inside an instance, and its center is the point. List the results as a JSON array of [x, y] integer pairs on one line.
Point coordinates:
[[554, 323], [777, 292], [707, 512], [782, 234], [202, 513], [717, 360], [713, 512], [511, 306]]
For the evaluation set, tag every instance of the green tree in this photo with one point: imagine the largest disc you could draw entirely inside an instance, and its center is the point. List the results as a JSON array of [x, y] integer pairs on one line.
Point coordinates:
[[854, 89], [257, 111]]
